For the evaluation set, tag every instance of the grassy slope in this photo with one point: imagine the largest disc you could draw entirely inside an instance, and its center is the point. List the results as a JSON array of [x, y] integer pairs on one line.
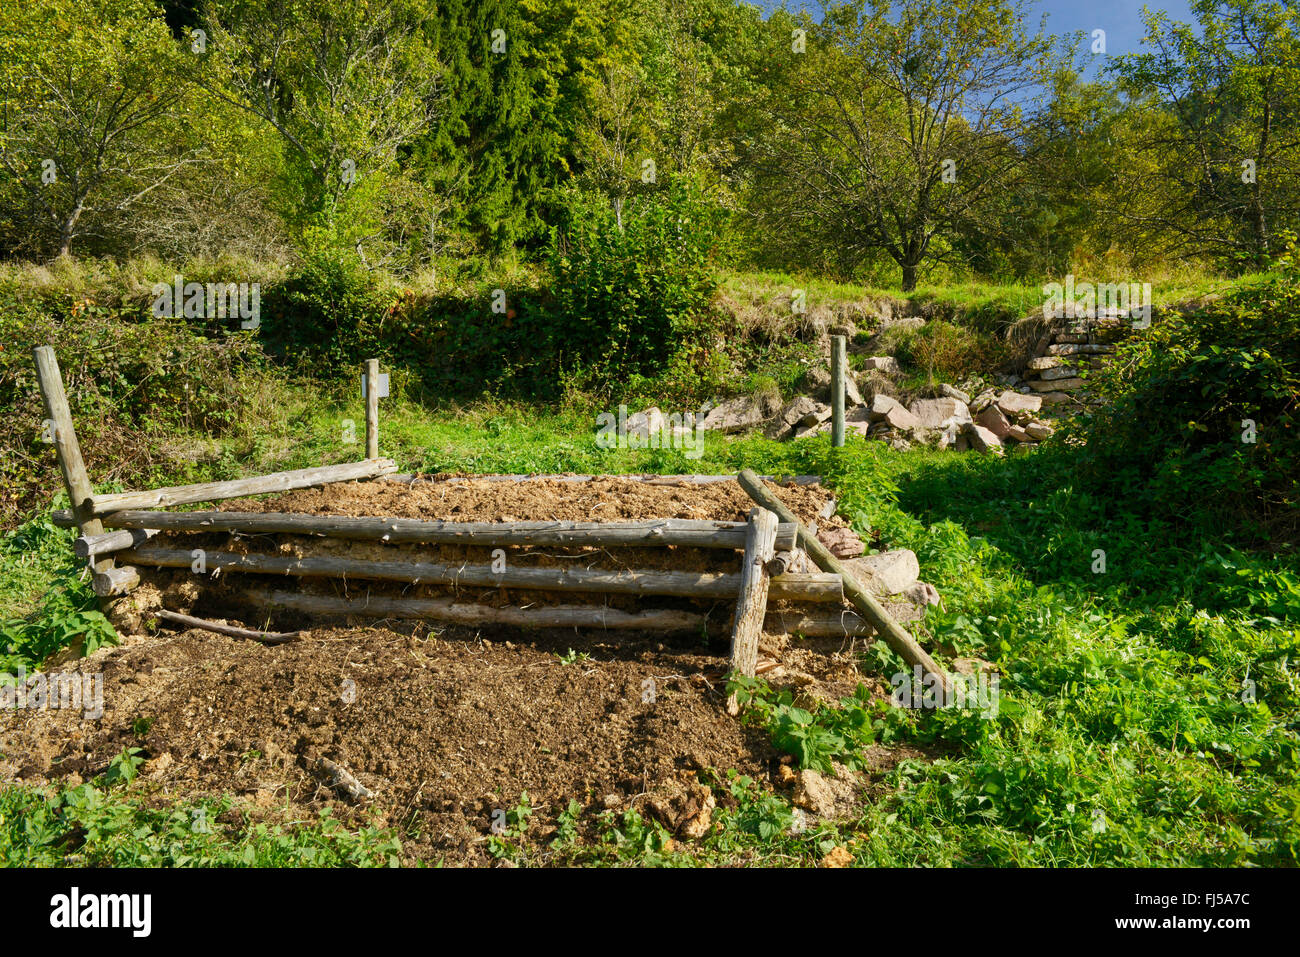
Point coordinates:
[[1123, 737]]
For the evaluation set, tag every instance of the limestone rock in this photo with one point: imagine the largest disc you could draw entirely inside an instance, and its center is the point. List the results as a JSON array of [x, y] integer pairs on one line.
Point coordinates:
[[1038, 430], [1058, 385], [932, 413], [995, 421], [1016, 405], [921, 593], [886, 573], [738, 415], [982, 440], [891, 411], [886, 364], [953, 392], [813, 793]]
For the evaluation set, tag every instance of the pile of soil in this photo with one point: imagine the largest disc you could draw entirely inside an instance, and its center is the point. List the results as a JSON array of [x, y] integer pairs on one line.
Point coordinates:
[[602, 498], [444, 729]]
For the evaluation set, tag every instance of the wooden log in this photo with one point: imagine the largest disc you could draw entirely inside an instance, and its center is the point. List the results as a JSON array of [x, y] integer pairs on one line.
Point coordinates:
[[372, 408], [257, 485], [647, 478], [461, 613], [848, 624], [814, 587], [232, 631], [655, 532], [542, 616], [898, 639], [91, 546], [68, 449], [751, 602], [837, 391], [117, 580]]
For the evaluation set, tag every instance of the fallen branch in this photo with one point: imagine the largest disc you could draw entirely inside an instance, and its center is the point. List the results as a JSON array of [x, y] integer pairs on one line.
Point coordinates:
[[266, 637]]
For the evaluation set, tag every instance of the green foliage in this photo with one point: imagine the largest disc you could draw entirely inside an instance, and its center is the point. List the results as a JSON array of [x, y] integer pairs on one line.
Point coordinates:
[[627, 299], [1205, 410], [90, 827], [67, 615]]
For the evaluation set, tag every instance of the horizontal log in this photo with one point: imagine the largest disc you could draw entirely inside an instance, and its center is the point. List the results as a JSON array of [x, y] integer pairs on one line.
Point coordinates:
[[662, 531], [90, 546], [266, 637], [540, 616], [647, 478], [461, 613], [815, 587], [116, 580], [237, 488], [847, 623]]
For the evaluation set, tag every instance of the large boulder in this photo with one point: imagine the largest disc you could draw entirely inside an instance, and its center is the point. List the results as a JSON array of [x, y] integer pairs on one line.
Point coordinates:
[[995, 420], [936, 413], [1018, 406], [886, 573], [892, 413], [739, 414]]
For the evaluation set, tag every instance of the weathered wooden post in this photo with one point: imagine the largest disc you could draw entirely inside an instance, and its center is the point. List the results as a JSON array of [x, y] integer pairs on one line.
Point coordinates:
[[837, 391], [372, 408], [751, 602], [109, 580]]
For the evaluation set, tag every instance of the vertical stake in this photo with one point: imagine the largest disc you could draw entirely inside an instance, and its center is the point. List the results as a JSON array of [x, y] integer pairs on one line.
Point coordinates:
[[751, 603], [372, 409], [837, 391]]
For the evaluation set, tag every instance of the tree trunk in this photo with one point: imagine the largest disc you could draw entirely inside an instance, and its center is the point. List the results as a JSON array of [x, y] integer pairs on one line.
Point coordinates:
[[909, 277]]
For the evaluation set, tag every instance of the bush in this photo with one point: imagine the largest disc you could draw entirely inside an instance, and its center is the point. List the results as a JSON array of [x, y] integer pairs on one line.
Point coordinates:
[[1203, 412], [946, 352], [626, 301], [327, 315]]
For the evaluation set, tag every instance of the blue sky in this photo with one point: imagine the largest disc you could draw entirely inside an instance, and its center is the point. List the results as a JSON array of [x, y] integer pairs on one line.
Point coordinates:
[[1121, 19]]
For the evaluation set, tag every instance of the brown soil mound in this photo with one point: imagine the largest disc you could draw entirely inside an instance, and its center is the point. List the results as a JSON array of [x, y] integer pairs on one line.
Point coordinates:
[[443, 732], [604, 498]]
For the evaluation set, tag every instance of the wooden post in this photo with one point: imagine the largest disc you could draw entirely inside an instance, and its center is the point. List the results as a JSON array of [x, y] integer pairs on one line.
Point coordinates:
[[71, 464], [751, 603], [837, 391], [863, 600], [372, 409]]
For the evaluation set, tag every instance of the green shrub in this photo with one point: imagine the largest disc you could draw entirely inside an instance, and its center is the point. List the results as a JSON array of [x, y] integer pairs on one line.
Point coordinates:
[[1202, 413], [327, 315], [626, 300]]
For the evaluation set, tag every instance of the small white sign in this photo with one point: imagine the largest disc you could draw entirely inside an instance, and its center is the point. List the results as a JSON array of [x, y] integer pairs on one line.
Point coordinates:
[[382, 388]]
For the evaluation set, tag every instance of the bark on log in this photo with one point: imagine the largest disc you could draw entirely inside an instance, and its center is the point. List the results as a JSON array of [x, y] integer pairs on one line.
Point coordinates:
[[449, 611], [898, 639], [664, 531], [90, 546], [257, 485], [751, 602], [117, 580], [461, 613], [232, 631], [645, 477], [815, 587], [372, 408]]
